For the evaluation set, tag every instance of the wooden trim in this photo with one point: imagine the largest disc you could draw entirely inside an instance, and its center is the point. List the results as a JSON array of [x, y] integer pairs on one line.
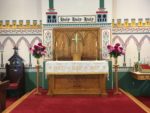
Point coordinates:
[[139, 103], [140, 76], [16, 103], [76, 73]]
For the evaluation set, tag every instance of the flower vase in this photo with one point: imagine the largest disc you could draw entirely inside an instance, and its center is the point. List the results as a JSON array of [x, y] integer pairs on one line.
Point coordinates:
[[116, 77], [37, 78], [76, 57]]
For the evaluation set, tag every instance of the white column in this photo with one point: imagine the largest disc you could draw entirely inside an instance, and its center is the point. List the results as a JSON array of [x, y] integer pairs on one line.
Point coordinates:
[[114, 9]]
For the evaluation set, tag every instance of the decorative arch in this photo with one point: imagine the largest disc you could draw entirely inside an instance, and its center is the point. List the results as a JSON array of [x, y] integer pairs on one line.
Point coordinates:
[[36, 38], [142, 40], [0, 46], [120, 40], [25, 40], [5, 41], [134, 39]]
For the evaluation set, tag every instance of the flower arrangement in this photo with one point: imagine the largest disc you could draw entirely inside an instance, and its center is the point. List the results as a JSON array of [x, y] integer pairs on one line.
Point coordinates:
[[115, 51], [38, 51]]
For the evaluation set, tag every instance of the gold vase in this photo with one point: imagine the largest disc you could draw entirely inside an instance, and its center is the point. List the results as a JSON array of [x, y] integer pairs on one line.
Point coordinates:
[[76, 57], [116, 92], [37, 78]]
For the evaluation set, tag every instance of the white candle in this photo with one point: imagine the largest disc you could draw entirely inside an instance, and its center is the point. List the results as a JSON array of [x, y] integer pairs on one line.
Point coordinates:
[[56, 44], [130, 61], [144, 61], [96, 43], [62, 44], [96, 50]]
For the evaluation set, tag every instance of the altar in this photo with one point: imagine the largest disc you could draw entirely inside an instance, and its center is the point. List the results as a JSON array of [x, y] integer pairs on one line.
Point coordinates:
[[77, 77]]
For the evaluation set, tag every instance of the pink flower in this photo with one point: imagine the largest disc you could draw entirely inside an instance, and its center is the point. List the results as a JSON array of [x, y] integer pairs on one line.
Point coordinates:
[[121, 48], [40, 44], [43, 52], [38, 50], [116, 47], [43, 47], [31, 50], [115, 51], [123, 53], [117, 44], [36, 47], [110, 48]]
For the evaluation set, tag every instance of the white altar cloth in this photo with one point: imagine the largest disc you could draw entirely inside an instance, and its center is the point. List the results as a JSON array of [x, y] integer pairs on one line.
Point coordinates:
[[77, 67]]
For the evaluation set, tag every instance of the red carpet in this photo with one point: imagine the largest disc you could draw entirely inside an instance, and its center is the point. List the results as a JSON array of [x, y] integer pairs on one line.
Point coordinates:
[[145, 100], [77, 104], [10, 101]]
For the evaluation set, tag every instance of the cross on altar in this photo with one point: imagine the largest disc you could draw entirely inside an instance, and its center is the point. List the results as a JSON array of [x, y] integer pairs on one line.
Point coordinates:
[[76, 39]]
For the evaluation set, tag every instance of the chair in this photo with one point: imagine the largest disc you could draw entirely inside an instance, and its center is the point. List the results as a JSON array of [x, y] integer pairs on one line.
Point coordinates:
[[15, 74], [16, 77]]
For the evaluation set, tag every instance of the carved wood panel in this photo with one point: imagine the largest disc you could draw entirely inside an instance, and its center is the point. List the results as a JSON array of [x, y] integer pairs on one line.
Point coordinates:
[[88, 43], [77, 84]]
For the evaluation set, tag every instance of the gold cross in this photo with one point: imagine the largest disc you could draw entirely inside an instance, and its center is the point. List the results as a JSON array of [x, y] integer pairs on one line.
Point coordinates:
[[76, 39]]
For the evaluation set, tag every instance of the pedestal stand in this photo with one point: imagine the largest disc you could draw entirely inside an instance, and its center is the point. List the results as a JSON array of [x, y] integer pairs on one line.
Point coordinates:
[[116, 92], [37, 80]]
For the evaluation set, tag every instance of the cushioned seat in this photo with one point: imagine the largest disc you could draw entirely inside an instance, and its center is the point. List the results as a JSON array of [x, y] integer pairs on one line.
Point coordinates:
[[15, 74], [16, 77], [13, 86]]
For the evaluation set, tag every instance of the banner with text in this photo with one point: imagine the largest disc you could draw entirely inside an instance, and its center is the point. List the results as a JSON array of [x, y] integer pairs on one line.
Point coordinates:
[[77, 19]]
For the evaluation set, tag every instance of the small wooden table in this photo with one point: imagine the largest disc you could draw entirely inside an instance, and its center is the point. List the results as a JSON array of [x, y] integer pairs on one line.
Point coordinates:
[[140, 76]]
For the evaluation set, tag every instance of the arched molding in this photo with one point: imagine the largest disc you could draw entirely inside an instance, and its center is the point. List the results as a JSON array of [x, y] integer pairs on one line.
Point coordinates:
[[143, 39], [1, 46], [36, 38], [134, 39], [23, 39], [5, 41], [120, 40]]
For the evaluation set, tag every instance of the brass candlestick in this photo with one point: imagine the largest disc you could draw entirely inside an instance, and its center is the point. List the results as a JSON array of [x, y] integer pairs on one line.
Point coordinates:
[[37, 78], [117, 92], [56, 50], [96, 51]]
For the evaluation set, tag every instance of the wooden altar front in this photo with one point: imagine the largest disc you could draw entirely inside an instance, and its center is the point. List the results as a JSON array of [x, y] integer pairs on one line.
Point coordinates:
[[77, 77]]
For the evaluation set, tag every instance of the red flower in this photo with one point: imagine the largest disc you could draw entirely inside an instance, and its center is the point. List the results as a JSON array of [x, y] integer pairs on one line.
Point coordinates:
[[115, 51], [40, 44], [38, 50], [117, 44], [35, 47]]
